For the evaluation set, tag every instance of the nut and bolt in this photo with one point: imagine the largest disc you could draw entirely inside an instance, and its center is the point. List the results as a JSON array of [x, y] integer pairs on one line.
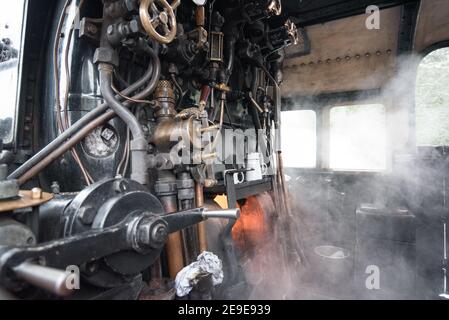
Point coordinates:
[[152, 234], [160, 233], [134, 26], [92, 29], [121, 186], [55, 187]]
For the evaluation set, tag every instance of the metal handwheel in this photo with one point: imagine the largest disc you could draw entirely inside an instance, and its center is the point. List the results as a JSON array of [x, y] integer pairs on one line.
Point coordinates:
[[154, 18]]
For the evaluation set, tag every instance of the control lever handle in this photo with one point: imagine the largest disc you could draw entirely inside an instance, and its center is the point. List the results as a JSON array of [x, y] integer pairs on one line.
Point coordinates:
[[181, 220], [222, 214], [50, 279], [133, 233]]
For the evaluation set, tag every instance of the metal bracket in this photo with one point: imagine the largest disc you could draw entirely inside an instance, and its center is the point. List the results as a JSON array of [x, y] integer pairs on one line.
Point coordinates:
[[230, 255], [91, 29]]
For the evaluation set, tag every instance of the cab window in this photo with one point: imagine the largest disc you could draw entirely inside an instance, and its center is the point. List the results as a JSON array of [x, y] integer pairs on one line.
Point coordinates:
[[358, 137], [299, 138], [432, 99]]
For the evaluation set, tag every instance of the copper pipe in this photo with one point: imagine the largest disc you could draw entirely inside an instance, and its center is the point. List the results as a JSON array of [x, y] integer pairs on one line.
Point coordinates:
[[129, 98], [174, 243], [63, 124], [152, 75], [200, 16], [285, 195], [199, 199], [210, 128], [292, 241], [56, 66], [205, 93], [64, 147], [255, 104], [75, 133]]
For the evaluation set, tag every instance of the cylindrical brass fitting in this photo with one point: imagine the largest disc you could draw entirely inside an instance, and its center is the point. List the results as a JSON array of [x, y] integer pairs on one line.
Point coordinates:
[[169, 132], [165, 96]]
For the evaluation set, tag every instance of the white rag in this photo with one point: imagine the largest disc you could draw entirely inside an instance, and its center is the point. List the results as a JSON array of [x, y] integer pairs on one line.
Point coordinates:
[[206, 263]]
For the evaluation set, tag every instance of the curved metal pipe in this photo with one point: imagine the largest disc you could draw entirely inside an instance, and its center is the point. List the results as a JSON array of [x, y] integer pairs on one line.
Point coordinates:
[[156, 62], [77, 126], [65, 146], [139, 144], [106, 72], [152, 74]]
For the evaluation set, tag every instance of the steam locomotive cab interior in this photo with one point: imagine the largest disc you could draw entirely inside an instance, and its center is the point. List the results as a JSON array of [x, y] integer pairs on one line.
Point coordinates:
[[208, 149]]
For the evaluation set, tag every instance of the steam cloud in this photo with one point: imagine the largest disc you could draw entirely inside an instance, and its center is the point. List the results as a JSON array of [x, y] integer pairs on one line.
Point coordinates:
[[324, 203]]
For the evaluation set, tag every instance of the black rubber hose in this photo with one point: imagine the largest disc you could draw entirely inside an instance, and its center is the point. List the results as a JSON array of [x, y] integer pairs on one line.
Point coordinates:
[[152, 74]]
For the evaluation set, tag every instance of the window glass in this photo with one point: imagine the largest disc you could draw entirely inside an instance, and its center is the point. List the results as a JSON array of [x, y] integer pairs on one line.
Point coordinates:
[[432, 99], [358, 137], [11, 22], [299, 138]]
